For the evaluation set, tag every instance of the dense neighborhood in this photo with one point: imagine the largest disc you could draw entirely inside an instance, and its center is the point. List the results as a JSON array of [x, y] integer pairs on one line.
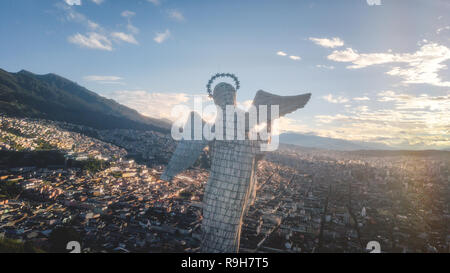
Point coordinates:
[[102, 188]]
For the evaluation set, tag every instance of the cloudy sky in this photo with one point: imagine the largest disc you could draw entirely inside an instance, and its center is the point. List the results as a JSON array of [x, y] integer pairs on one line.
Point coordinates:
[[377, 69]]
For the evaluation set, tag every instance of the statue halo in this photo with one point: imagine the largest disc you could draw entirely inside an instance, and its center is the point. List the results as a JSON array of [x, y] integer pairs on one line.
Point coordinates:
[[221, 75]]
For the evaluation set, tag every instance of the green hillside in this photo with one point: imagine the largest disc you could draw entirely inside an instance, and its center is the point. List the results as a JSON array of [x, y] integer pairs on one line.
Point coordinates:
[[52, 97]]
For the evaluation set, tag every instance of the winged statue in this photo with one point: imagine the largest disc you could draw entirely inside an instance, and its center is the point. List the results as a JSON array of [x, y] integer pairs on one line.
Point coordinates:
[[231, 187]]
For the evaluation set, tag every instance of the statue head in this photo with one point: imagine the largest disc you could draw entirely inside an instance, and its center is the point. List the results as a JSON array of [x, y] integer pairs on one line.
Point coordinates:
[[224, 94]]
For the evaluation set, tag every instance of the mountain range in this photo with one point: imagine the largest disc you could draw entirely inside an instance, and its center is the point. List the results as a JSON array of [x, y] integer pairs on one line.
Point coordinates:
[[53, 97], [313, 141]]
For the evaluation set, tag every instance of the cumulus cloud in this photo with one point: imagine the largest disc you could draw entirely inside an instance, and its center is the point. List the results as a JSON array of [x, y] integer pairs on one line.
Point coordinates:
[[125, 37], [439, 30], [347, 55], [98, 2], [98, 37], [93, 25], [411, 102], [373, 2], [91, 40], [73, 2], [421, 66], [176, 15], [401, 120], [330, 43], [332, 99], [286, 124], [160, 37], [104, 79], [330, 67], [74, 16], [245, 105], [154, 2], [128, 14], [131, 28], [128, 38], [292, 57], [361, 98], [157, 105]]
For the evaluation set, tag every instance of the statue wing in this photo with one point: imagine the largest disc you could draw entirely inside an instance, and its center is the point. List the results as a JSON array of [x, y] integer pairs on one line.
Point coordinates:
[[287, 104], [186, 153]]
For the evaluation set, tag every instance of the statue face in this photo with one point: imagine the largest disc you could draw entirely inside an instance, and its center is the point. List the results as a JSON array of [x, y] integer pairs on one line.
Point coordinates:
[[224, 94]]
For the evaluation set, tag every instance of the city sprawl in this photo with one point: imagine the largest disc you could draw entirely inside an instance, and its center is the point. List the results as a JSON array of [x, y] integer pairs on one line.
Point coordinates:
[[104, 187]]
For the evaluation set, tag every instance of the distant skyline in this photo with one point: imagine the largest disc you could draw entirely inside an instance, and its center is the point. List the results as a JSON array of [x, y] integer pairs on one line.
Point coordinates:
[[377, 69]]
